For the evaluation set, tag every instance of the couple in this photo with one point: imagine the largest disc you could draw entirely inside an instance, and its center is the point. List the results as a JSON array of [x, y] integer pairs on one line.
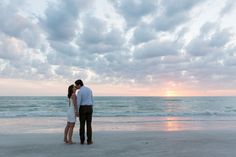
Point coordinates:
[[80, 105]]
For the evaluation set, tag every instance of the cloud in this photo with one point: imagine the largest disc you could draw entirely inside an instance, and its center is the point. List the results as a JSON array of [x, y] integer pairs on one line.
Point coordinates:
[[174, 14], [97, 37], [134, 10], [220, 38], [157, 49], [172, 7], [143, 33], [65, 48], [12, 48], [229, 6], [19, 61], [210, 40], [18, 26], [60, 20], [167, 23]]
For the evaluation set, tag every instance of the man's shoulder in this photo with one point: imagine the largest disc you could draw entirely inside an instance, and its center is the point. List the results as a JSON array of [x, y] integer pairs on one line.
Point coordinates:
[[84, 89], [87, 88]]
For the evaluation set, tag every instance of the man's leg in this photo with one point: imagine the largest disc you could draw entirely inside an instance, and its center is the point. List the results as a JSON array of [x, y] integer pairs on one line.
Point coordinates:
[[82, 124], [89, 124]]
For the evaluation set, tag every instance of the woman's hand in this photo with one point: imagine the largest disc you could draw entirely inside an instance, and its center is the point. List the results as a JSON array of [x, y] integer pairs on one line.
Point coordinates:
[[77, 113]]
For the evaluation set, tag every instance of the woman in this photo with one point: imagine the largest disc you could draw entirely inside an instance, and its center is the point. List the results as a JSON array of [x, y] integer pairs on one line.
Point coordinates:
[[71, 117]]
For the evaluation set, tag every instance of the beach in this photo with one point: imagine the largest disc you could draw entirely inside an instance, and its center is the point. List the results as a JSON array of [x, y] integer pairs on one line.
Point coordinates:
[[119, 136]]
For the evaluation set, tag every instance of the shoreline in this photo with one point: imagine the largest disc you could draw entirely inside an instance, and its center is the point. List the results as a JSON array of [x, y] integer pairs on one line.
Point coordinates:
[[138, 124]]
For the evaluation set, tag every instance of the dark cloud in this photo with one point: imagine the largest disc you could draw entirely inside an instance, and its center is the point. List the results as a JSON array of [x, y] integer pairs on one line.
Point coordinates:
[[58, 58], [143, 33], [98, 37], [199, 47], [172, 7], [157, 49], [210, 40], [65, 48], [61, 19], [174, 14], [134, 10], [220, 38], [168, 23]]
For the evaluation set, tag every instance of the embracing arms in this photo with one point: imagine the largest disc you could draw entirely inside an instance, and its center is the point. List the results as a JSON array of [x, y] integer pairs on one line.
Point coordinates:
[[74, 98]]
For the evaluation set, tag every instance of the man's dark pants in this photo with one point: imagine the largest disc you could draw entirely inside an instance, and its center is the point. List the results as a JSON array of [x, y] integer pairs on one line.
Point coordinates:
[[85, 116]]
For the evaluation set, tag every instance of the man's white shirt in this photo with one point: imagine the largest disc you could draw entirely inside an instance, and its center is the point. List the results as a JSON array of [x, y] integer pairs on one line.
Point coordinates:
[[84, 96]]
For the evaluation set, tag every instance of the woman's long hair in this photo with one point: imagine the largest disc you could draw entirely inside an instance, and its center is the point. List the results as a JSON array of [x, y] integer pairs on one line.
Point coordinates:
[[70, 91]]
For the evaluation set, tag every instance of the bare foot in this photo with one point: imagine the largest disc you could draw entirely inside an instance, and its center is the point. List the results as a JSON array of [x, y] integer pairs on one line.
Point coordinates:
[[65, 141], [71, 142]]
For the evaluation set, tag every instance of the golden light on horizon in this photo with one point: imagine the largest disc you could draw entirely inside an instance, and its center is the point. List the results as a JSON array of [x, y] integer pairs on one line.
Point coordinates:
[[170, 93]]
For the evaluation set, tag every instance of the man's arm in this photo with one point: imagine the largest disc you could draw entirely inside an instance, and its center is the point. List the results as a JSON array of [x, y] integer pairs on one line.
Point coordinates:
[[92, 97], [79, 98]]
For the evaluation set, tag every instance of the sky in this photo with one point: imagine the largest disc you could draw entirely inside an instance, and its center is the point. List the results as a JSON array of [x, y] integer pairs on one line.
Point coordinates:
[[118, 47]]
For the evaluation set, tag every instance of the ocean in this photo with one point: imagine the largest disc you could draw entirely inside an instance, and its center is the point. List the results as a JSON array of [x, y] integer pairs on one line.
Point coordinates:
[[201, 108]]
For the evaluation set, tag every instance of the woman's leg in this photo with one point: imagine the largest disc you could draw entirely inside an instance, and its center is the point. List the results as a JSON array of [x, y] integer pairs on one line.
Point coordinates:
[[66, 132], [71, 133]]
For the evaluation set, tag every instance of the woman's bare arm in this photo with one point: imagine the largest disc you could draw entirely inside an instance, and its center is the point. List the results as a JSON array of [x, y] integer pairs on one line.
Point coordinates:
[[74, 99]]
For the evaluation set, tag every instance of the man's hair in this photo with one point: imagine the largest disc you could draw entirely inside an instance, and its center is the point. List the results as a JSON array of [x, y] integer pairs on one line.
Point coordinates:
[[79, 82]]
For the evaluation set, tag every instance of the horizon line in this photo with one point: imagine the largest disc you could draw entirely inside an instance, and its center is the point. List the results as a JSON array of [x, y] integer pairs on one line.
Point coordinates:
[[121, 96]]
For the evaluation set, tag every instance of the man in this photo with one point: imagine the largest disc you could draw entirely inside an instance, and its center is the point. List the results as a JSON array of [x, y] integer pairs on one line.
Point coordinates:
[[85, 104]]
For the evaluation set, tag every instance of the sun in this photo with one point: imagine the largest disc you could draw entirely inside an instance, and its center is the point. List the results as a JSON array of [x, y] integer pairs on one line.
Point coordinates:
[[170, 93]]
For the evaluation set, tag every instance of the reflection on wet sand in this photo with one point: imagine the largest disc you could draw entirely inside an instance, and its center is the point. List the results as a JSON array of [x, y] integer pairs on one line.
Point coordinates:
[[172, 124], [143, 124]]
